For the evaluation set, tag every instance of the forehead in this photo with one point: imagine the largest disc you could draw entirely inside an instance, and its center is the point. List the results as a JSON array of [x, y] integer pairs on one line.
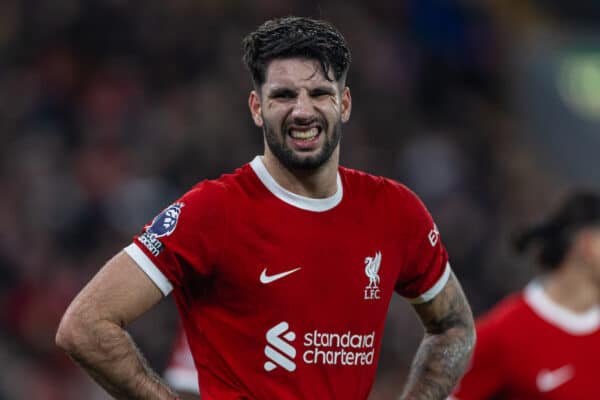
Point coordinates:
[[295, 71]]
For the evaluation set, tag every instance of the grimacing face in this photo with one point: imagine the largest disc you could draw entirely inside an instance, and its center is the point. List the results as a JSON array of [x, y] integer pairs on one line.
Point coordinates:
[[300, 112]]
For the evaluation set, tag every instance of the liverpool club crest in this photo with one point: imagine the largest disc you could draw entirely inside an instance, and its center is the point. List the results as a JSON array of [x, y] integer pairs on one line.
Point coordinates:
[[372, 265]]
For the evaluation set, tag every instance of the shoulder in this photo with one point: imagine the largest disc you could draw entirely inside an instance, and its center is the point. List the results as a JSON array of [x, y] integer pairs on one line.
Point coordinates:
[[385, 188], [508, 313], [205, 193], [221, 188], [206, 200], [503, 328], [394, 200]]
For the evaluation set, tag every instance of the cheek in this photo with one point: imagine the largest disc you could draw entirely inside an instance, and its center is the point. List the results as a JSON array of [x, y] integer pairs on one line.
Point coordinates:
[[274, 113], [333, 105], [330, 110]]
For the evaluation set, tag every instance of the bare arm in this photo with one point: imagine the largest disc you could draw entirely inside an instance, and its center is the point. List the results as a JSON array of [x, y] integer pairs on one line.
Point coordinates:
[[92, 331], [449, 340]]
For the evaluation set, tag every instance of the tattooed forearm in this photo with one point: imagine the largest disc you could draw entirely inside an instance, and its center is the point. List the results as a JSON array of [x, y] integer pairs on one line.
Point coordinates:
[[449, 339]]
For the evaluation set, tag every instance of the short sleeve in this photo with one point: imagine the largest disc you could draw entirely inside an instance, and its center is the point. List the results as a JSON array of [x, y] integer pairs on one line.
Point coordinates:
[[484, 377], [426, 268], [187, 235]]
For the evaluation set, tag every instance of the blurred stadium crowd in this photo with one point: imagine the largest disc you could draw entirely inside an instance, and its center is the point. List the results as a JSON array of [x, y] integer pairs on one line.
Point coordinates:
[[110, 109]]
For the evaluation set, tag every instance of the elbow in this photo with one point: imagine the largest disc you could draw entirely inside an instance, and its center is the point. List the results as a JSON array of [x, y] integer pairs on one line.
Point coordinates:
[[465, 336], [470, 334], [65, 334], [70, 333], [470, 340], [473, 335]]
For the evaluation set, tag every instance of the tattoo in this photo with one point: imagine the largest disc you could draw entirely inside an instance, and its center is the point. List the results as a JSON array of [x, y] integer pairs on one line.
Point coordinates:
[[445, 350]]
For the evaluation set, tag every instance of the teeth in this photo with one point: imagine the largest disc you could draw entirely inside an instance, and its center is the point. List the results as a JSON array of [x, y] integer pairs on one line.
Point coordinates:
[[304, 135]]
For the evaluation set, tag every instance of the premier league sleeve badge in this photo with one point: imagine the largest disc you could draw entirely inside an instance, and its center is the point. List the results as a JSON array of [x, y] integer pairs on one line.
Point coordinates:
[[165, 223]]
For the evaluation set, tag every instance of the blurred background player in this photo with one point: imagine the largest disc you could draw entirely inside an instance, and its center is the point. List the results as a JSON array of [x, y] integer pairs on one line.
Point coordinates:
[[180, 372], [544, 342]]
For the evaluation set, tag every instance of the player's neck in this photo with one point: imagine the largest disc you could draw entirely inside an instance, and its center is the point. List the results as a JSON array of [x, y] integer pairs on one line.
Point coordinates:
[[571, 290], [318, 183]]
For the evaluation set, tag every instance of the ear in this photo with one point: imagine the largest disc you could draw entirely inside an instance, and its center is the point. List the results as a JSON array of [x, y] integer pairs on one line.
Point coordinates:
[[589, 240], [255, 108], [346, 104]]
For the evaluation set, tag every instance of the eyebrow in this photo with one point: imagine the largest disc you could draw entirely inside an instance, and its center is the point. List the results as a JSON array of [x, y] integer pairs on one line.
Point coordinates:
[[283, 90], [278, 91], [323, 89]]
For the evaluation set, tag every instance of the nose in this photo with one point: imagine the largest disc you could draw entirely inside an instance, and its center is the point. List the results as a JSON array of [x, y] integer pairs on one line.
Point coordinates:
[[303, 108]]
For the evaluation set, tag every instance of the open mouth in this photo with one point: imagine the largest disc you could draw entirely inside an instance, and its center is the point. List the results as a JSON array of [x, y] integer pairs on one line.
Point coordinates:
[[305, 134]]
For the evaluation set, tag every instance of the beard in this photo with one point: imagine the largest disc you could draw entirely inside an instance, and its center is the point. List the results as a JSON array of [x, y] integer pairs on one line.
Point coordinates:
[[292, 160]]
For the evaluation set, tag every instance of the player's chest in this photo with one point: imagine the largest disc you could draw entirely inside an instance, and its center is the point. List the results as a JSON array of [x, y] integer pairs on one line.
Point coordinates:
[[558, 369], [311, 262]]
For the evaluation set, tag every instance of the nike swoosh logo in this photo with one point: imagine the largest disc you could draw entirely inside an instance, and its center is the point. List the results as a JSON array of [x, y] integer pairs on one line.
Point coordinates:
[[264, 278], [549, 380]]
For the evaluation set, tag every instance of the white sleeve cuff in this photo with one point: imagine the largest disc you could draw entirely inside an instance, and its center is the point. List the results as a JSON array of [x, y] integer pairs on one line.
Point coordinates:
[[146, 265], [435, 289]]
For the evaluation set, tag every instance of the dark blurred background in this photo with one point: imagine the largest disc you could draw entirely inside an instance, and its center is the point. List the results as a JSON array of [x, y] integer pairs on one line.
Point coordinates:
[[109, 110]]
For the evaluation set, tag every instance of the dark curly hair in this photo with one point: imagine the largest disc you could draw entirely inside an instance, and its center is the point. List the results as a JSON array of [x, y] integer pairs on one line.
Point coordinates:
[[296, 37], [553, 236]]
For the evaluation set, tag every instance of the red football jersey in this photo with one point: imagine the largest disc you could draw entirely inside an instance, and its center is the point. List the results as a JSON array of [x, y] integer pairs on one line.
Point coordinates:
[[181, 372], [283, 296], [530, 348]]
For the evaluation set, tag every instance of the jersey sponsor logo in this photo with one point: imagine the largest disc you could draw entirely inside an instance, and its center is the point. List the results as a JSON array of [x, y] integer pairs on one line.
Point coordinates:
[[548, 380], [433, 236], [331, 348], [280, 352], [164, 223], [372, 265], [266, 279], [318, 348], [150, 241]]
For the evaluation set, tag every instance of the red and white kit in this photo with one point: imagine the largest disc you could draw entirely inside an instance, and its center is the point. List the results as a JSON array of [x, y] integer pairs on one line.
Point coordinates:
[[283, 296], [530, 348]]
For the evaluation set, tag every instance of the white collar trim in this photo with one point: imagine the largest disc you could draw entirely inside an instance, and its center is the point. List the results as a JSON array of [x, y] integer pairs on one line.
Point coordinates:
[[574, 323], [302, 202]]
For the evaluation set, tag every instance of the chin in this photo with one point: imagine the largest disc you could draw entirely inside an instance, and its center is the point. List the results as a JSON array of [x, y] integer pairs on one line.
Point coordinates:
[[309, 162]]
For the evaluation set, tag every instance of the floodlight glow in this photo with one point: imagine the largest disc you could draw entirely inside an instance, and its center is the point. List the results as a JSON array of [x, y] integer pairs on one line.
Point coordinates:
[[579, 84]]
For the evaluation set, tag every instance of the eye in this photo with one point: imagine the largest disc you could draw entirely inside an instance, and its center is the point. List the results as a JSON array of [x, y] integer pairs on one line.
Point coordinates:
[[321, 92], [283, 94]]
